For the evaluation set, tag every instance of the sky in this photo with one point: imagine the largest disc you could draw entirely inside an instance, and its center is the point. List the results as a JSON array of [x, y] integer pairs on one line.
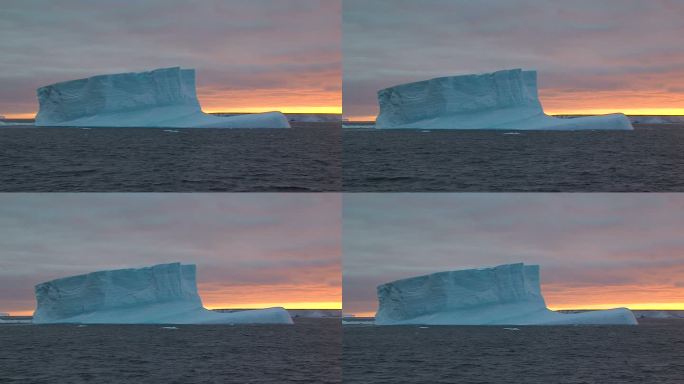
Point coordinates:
[[251, 250], [593, 56], [594, 250], [250, 56]]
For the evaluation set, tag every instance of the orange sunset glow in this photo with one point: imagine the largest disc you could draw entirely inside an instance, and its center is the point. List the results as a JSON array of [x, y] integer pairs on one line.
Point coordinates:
[[283, 100], [214, 296], [604, 297], [255, 101], [560, 297], [557, 102], [290, 296]]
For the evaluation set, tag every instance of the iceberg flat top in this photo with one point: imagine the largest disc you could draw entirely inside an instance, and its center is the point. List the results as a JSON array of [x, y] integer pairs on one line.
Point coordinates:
[[505, 99], [160, 294], [163, 97], [504, 295]]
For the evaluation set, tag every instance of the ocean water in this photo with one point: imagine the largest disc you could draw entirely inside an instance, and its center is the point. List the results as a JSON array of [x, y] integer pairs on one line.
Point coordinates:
[[308, 352], [650, 158], [652, 352], [306, 158]]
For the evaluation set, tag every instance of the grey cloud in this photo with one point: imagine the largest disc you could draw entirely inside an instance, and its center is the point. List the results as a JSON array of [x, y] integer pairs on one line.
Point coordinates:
[[233, 238], [580, 240], [387, 42], [230, 42]]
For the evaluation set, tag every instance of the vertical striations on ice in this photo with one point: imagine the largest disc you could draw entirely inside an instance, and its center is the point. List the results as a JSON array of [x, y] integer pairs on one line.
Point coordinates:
[[501, 100], [160, 98], [506, 294], [160, 294]]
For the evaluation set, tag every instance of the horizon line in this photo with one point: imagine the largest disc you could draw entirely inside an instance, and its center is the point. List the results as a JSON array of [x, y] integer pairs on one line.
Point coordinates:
[[369, 119], [295, 111]]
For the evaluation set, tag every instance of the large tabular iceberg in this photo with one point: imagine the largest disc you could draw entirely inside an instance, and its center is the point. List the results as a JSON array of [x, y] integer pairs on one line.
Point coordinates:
[[161, 294], [500, 100], [504, 295], [160, 98]]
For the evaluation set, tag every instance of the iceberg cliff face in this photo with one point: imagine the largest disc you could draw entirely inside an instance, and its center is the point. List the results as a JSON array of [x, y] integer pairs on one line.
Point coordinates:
[[500, 100], [161, 294], [504, 295], [160, 98]]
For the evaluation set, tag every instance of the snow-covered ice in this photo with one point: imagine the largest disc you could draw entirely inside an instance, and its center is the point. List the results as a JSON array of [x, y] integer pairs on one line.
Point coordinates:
[[501, 100], [160, 294], [160, 98], [505, 295]]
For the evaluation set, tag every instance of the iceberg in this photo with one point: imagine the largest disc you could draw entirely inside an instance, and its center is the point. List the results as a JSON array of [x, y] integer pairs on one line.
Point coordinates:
[[163, 98], [160, 294], [501, 100], [505, 295]]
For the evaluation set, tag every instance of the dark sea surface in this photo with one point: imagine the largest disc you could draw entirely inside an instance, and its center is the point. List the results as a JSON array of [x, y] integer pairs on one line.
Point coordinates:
[[652, 352], [305, 158], [308, 352], [650, 158]]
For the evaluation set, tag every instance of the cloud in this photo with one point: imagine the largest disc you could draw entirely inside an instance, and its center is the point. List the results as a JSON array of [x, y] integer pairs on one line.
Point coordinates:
[[261, 45], [581, 241], [581, 46], [238, 241]]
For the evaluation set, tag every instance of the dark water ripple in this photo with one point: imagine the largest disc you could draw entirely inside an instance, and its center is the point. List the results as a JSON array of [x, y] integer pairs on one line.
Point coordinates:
[[650, 353], [154, 160], [644, 160], [308, 352]]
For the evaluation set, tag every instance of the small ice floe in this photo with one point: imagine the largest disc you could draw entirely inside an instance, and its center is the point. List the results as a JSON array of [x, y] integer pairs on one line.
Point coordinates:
[[87, 129], [425, 131], [171, 131], [358, 322], [512, 329], [423, 327], [169, 327], [358, 126], [81, 326], [511, 133]]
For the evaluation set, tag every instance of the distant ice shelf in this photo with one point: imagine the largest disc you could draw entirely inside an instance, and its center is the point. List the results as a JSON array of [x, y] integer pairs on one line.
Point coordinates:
[[501, 100], [163, 98], [504, 295], [160, 294]]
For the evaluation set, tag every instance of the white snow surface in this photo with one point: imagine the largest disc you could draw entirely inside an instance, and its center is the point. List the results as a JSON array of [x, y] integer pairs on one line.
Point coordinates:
[[505, 295], [160, 294], [501, 100], [160, 98]]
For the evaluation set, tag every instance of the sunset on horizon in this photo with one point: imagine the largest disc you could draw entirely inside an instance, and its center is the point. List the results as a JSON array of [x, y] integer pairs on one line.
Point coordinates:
[[243, 52], [606, 252], [592, 58], [237, 242]]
